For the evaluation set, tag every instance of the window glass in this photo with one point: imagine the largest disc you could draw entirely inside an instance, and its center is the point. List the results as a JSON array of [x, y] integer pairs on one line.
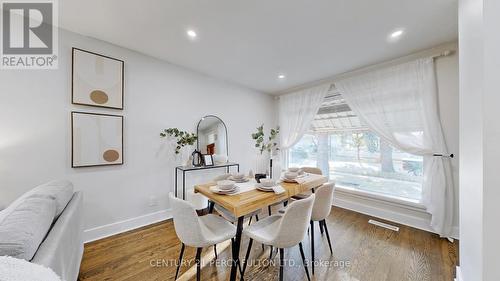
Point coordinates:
[[355, 157]]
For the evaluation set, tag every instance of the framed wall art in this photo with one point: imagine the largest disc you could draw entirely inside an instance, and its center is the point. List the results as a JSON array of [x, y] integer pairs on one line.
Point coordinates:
[[96, 139], [208, 160], [97, 80]]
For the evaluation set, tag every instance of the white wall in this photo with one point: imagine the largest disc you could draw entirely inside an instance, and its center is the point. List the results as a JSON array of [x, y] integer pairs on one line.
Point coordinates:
[[491, 141], [35, 135], [479, 139], [471, 147]]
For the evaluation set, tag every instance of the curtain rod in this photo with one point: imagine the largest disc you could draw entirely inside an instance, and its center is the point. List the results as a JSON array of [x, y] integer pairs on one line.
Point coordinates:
[[435, 52]]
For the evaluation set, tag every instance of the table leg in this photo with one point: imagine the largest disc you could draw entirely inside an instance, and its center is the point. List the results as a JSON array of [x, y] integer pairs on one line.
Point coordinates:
[[236, 249]]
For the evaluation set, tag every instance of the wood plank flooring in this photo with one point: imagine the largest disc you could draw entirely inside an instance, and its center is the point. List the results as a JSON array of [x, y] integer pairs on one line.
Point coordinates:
[[361, 252]]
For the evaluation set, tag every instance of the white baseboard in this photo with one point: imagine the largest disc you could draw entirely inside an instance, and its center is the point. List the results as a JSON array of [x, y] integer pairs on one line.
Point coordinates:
[[459, 275], [409, 216], [103, 231]]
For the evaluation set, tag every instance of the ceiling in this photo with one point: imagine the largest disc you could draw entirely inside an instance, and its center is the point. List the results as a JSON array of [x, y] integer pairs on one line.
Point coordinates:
[[251, 42]]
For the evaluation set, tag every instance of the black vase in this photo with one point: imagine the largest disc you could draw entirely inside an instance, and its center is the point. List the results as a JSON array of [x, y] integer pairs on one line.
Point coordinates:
[[260, 176]]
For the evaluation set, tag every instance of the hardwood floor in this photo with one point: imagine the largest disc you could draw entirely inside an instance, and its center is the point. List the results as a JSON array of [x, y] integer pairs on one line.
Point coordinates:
[[361, 252]]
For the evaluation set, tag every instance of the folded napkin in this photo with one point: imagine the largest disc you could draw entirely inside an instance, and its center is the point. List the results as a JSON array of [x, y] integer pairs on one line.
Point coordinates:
[[278, 189], [305, 178]]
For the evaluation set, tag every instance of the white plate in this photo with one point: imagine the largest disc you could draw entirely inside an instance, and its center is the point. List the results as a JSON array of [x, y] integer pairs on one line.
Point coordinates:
[[238, 180], [217, 190], [263, 188]]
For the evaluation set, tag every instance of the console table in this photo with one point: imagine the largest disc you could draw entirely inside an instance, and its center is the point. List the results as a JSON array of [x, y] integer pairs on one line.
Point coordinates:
[[185, 169]]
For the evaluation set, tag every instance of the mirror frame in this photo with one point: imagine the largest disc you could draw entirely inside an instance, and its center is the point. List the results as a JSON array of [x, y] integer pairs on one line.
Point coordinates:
[[198, 131]]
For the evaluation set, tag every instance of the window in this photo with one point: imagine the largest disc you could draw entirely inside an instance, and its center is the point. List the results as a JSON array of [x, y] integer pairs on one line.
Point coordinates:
[[356, 157]]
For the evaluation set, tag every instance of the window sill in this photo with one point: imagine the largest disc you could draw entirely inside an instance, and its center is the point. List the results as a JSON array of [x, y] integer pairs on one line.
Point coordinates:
[[392, 200]]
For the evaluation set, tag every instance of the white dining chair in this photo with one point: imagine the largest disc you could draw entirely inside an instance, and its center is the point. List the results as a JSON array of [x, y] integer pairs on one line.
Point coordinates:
[[198, 232], [321, 210], [282, 231]]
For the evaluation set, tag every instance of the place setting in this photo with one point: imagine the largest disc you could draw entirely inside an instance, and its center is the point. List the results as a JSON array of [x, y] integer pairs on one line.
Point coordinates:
[[225, 187], [294, 175], [269, 185], [238, 178]]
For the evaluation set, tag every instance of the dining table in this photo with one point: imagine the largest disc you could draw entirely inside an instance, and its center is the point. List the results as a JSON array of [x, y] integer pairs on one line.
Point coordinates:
[[250, 200]]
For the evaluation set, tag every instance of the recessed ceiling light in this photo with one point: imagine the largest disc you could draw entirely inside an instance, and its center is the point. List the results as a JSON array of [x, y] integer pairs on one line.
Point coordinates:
[[395, 35], [191, 33], [281, 76]]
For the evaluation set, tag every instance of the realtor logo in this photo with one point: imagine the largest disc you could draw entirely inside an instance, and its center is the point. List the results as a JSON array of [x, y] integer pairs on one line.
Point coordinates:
[[29, 35]]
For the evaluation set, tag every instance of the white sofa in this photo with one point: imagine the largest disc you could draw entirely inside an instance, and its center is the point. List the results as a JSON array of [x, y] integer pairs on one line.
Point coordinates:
[[45, 226]]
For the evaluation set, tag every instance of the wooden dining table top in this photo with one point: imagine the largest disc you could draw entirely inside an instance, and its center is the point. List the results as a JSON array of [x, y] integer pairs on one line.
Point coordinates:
[[244, 203]]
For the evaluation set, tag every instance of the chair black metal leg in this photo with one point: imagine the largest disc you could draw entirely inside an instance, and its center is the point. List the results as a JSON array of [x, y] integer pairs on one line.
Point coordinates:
[[256, 217], [236, 250], [269, 210], [321, 227], [328, 236], [282, 262], [271, 252], [285, 203], [312, 246], [180, 261], [250, 221], [241, 270], [211, 207], [245, 262], [304, 261], [215, 250], [198, 264]]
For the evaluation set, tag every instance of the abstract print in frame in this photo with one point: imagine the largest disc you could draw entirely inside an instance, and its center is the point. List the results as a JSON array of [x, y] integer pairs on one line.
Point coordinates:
[[97, 139], [97, 80]]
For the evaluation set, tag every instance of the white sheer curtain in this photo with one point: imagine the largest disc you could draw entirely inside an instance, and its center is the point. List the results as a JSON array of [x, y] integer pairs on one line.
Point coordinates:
[[296, 112], [400, 104]]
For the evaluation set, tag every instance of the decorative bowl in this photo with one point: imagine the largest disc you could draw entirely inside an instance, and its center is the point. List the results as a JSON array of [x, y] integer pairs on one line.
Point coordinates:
[[267, 182], [225, 185], [291, 175], [294, 169], [238, 176]]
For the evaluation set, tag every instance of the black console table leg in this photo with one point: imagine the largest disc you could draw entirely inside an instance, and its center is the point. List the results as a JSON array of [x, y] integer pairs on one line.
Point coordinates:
[[183, 185], [175, 190]]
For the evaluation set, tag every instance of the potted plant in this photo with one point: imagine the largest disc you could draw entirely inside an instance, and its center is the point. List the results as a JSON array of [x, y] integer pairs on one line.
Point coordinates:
[[181, 139], [267, 147]]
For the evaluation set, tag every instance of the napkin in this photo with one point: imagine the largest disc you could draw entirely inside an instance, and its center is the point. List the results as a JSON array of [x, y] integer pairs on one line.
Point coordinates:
[[278, 189]]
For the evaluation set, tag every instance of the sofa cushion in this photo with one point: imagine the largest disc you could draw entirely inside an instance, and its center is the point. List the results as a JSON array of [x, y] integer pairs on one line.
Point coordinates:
[[24, 228], [59, 190]]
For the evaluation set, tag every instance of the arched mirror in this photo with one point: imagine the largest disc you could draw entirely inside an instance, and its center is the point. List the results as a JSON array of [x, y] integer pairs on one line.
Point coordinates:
[[212, 138]]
